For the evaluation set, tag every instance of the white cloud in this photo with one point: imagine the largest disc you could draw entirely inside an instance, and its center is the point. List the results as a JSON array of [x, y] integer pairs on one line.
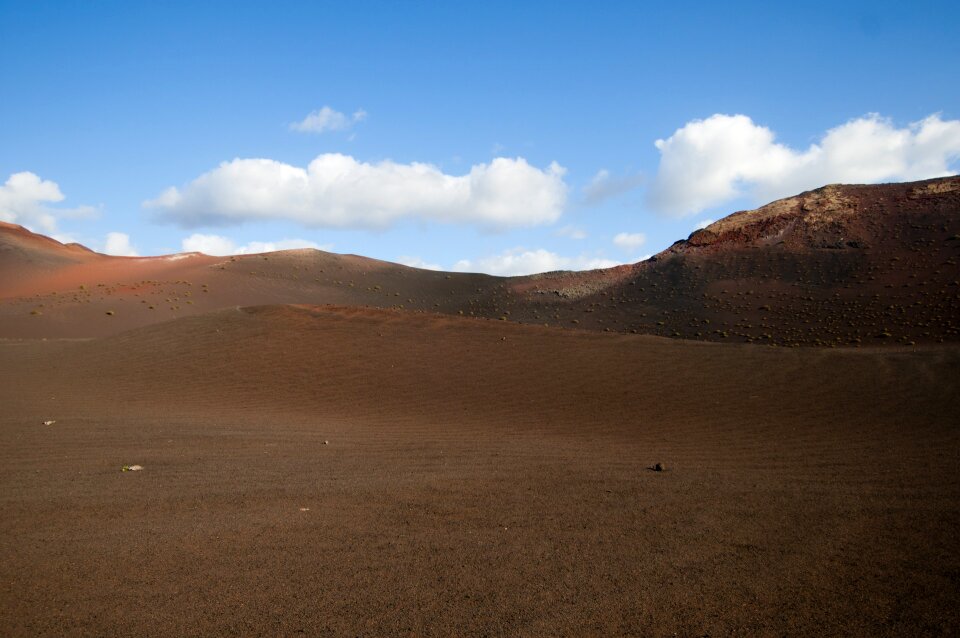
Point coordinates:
[[603, 186], [703, 224], [219, 245], [526, 262], [208, 244], [416, 262], [254, 247], [119, 244], [338, 191], [64, 238], [327, 119], [571, 232], [708, 162], [629, 241], [24, 198]]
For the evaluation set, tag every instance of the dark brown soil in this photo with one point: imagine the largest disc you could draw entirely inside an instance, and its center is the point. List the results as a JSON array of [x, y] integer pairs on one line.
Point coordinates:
[[481, 478]]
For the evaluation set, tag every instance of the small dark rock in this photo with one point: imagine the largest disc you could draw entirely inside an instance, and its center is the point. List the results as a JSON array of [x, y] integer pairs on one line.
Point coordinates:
[[659, 467]]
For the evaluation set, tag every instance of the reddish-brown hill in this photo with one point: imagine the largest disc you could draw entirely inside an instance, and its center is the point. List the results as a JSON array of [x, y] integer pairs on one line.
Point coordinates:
[[25, 253], [840, 265], [103, 295]]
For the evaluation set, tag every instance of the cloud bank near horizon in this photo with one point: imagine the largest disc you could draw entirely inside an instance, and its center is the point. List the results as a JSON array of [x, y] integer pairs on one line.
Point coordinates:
[[220, 246], [338, 191], [118, 245], [708, 162], [519, 261]]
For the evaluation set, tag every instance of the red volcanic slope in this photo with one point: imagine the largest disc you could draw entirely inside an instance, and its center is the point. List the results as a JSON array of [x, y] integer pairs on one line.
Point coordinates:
[[31, 252], [99, 295]]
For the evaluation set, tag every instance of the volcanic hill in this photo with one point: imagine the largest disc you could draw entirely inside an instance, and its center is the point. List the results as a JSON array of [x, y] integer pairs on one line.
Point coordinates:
[[840, 265]]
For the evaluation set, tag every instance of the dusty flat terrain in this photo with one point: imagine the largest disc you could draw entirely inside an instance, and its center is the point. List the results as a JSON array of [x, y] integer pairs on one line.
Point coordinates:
[[480, 478]]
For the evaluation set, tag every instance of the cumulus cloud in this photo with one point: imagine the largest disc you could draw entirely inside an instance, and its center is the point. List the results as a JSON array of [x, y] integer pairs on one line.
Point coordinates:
[[519, 261], [337, 191], [629, 241], [708, 162], [25, 199], [416, 262], [327, 119], [219, 245], [64, 238], [118, 244], [703, 224], [604, 186]]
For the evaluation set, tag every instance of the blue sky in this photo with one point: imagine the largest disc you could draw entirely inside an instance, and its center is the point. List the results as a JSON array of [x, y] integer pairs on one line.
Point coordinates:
[[502, 137]]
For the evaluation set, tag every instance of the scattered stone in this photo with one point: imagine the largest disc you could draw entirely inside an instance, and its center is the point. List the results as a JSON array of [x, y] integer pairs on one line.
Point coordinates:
[[131, 468], [659, 467], [326, 442], [49, 422]]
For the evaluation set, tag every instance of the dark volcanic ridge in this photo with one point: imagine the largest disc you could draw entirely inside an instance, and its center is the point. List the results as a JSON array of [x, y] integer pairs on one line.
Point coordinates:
[[836, 266], [840, 265]]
